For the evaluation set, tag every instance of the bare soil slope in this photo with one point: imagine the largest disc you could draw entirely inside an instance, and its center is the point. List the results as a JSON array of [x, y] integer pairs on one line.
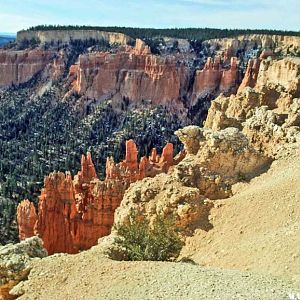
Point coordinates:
[[91, 276], [258, 229]]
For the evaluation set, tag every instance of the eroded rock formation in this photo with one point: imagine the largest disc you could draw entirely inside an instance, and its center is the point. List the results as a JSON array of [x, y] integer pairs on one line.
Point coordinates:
[[269, 113], [251, 74], [243, 133], [15, 263], [137, 75], [213, 78], [132, 74], [26, 218], [74, 213], [214, 161], [20, 66]]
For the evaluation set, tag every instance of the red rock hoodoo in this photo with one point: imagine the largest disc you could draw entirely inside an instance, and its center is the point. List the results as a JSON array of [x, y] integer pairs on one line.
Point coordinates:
[[251, 74], [26, 218], [74, 213]]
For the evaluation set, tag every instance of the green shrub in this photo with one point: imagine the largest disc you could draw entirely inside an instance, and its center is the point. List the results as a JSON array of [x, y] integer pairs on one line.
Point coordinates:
[[158, 242]]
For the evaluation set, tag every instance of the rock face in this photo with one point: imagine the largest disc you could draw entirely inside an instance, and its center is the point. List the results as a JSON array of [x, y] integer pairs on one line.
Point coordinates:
[[74, 213], [20, 66], [214, 161], [252, 43], [214, 79], [128, 74], [268, 114], [251, 74], [284, 72], [65, 36], [132, 74], [15, 263], [137, 75]]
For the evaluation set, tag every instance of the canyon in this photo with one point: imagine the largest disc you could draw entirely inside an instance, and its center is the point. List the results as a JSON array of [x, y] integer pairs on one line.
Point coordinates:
[[228, 186], [83, 207], [136, 75], [221, 176], [74, 213], [130, 74]]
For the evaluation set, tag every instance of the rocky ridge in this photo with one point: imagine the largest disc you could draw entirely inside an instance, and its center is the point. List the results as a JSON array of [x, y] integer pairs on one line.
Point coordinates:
[[243, 133], [251, 44]]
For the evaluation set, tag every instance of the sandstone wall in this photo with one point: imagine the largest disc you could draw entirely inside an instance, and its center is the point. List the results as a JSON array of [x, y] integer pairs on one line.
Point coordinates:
[[214, 79], [20, 66], [136, 77]]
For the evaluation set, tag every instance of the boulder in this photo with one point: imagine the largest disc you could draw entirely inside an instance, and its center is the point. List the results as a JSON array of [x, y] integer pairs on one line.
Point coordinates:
[[15, 263]]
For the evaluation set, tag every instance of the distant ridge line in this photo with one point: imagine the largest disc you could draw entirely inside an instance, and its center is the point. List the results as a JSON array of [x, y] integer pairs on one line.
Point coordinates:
[[184, 33]]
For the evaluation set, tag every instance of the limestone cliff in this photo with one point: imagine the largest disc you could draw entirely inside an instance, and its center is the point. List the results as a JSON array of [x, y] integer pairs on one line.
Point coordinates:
[[74, 213], [65, 36], [251, 44]]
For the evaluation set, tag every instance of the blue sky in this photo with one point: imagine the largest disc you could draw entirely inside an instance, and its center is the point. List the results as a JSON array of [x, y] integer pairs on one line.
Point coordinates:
[[271, 14]]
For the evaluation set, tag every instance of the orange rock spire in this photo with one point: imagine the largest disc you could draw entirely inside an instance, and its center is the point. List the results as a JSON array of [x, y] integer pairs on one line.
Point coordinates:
[[74, 213]]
